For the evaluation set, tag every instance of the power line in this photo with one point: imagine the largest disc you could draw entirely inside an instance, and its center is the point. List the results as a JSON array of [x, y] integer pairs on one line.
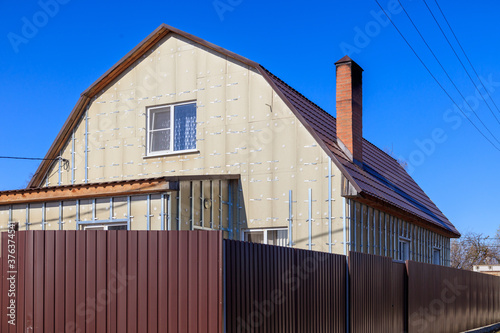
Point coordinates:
[[32, 158], [446, 72], [435, 79], [461, 63], [466, 57]]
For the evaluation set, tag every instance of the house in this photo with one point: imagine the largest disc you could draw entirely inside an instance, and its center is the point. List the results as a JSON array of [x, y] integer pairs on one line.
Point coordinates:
[[181, 134], [487, 269]]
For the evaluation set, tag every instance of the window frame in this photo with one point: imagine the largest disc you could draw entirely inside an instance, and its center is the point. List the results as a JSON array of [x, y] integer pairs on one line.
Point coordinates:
[[434, 250], [265, 231], [91, 226], [406, 241], [171, 151]]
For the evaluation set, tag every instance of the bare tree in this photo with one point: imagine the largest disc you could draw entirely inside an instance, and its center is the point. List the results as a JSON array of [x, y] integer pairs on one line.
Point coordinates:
[[475, 249]]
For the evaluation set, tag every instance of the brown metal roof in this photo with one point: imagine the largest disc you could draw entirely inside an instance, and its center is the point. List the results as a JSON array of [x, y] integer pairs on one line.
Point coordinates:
[[381, 177]]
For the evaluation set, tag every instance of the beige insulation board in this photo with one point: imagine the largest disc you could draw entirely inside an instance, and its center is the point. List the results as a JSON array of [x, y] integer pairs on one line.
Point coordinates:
[[69, 215], [138, 210], [52, 215]]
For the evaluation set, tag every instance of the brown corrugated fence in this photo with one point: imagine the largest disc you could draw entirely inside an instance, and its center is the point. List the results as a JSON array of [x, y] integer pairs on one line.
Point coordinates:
[[279, 289], [443, 299], [115, 281], [193, 281], [377, 294]]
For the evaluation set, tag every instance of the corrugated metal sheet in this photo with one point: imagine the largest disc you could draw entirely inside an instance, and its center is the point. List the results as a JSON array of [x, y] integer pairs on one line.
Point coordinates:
[[116, 281], [443, 299], [377, 294], [279, 289]]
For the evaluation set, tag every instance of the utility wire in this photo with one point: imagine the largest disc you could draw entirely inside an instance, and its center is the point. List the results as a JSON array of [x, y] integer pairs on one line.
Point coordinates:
[[435, 79], [460, 60], [444, 70], [32, 158], [466, 57]]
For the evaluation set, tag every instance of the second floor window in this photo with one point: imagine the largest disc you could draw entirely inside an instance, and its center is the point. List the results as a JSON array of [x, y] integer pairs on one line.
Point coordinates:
[[171, 128]]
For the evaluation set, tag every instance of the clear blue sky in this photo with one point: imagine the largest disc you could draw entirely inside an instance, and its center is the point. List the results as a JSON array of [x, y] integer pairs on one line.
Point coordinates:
[[297, 40]]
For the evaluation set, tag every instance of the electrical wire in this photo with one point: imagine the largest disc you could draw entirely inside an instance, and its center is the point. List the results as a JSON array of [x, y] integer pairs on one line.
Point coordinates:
[[65, 161], [446, 72], [461, 63], [466, 57], [435, 79]]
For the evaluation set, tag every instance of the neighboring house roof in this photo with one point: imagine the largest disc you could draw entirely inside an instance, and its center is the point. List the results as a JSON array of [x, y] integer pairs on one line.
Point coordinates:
[[380, 178]]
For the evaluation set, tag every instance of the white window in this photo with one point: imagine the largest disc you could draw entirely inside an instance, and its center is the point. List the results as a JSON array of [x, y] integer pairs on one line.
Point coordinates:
[[436, 256], [113, 226], [267, 236], [171, 128], [404, 249]]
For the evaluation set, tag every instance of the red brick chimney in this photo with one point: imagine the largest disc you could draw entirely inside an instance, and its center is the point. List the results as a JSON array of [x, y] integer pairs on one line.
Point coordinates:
[[350, 107]]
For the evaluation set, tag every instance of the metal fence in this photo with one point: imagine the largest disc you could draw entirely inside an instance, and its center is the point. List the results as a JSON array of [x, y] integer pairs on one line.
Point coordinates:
[[279, 289], [113, 281], [378, 294], [193, 281], [443, 299]]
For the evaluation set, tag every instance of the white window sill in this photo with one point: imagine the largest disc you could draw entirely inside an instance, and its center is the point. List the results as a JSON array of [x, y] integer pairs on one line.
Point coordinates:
[[177, 152]]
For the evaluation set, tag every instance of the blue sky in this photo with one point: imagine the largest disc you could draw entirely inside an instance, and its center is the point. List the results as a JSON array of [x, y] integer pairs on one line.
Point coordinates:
[[44, 69]]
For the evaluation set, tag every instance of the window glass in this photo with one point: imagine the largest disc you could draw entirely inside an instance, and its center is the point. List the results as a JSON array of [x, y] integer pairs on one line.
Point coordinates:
[[254, 237], [267, 236], [404, 250], [185, 127], [436, 257]]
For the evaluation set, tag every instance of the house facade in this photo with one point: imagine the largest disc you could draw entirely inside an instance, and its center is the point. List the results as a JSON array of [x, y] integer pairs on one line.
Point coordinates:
[[181, 134]]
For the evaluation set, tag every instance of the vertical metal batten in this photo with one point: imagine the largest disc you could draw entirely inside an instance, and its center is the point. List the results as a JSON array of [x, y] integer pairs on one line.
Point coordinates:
[[354, 240], [148, 212], [27, 216], [220, 205], [343, 228], [128, 212], [330, 206], [43, 216], [202, 205], [310, 219], [385, 234], [290, 217], [169, 211], [93, 210], [87, 146], [191, 202], [230, 209], [73, 157], [111, 208], [77, 213], [59, 171], [162, 214], [361, 230], [60, 215]]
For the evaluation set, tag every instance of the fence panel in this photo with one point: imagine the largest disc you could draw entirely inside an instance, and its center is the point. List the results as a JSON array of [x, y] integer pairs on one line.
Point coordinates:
[[377, 294], [278, 289], [115, 281], [443, 299]]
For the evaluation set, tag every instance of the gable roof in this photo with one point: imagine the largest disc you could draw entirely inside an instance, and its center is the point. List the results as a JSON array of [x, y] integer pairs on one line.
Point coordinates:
[[380, 179]]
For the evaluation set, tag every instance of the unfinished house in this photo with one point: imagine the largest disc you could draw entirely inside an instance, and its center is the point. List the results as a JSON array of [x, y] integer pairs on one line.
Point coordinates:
[[181, 134]]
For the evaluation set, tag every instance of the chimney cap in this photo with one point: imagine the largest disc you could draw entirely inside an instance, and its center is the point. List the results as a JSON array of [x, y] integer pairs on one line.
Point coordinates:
[[347, 59]]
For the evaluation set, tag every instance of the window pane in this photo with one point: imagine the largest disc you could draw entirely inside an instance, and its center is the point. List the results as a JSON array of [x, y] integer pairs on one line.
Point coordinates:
[[117, 227], [159, 140], [93, 228], [160, 119], [277, 237], [185, 127], [436, 257], [254, 237]]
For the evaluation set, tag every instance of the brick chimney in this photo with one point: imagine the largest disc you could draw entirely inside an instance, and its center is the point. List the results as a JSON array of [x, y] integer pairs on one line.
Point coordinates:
[[350, 107]]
